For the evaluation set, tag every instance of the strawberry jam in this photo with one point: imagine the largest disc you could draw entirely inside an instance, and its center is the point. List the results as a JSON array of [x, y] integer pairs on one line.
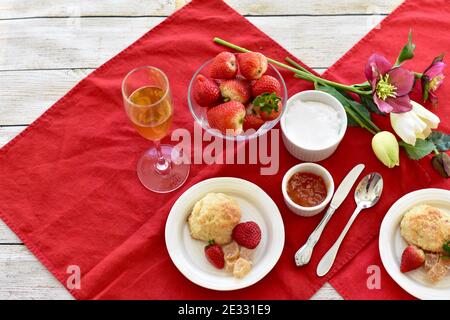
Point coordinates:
[[306, 189]]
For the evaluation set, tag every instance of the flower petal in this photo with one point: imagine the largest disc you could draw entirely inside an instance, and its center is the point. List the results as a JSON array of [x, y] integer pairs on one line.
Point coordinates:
[[433, 99], [425, 115], [407, 126], [435, 69], [376, 65], [382, 105], [400, 104], [402, 79]]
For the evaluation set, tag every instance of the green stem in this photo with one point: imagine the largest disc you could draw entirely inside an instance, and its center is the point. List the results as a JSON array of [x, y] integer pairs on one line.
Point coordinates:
[[366, 120], [358, 120], [436, 151], [298, 73], [418, 75], [335, 84], [304, 74], [363, 85], [295, 64]]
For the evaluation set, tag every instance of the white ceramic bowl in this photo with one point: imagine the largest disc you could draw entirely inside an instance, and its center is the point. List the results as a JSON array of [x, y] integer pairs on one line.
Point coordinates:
[[301, 152], [311, 168]]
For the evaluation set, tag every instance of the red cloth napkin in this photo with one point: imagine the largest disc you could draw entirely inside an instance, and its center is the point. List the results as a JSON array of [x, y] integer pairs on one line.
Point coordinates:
[[68, 184], [430, 24], [69, 189]]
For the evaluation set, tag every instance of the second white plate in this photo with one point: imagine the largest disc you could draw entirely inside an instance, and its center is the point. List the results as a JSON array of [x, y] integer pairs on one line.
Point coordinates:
[[392, 245], [188, 254]]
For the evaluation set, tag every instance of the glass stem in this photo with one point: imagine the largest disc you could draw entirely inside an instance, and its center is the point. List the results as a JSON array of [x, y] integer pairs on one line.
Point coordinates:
[[162, 165]]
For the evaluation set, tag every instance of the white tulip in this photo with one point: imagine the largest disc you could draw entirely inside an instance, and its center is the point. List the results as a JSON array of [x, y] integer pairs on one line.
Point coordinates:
[[414, 124]]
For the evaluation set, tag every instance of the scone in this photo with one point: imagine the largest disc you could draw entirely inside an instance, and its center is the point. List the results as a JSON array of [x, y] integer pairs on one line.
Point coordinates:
[[214, 217], [426, 227]]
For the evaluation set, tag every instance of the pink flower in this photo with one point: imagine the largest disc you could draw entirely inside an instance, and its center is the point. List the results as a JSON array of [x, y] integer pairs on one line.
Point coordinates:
[[391, 85], [432, 79]]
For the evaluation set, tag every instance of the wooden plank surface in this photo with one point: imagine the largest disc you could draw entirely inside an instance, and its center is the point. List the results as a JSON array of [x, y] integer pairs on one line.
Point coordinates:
[[46, 47], [22, 276], [30, 93], [92, 41], [7, 237], [14, 9]]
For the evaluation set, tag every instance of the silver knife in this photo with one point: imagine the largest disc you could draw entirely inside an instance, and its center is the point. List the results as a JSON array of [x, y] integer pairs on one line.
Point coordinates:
[[303, 255]]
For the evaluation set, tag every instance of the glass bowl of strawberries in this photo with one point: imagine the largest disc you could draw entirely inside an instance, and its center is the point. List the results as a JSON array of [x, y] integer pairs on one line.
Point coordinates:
[[237, 96]]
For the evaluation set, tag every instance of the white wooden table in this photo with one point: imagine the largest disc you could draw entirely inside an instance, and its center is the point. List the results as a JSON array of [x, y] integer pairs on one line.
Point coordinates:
[[47, 46]]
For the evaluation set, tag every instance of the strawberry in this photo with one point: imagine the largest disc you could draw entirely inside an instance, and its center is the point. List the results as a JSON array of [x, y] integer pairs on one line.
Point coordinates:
[[249, 109], [206, 91], [266, 84], [268, 106], [252, 122], [247, 234], [214, 254], [235, 90], [412, 258], [227, 116], [252, 65], [224, 66]]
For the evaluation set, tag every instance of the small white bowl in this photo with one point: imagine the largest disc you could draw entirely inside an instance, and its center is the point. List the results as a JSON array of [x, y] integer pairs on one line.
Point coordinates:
[[311, 168], [308, 154]]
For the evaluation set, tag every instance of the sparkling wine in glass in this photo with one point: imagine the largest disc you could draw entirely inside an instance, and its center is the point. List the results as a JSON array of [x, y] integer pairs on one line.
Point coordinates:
[[148, 104]]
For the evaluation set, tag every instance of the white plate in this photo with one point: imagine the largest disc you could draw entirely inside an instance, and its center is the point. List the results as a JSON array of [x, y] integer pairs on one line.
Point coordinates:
[[188, 254], [392, 245]]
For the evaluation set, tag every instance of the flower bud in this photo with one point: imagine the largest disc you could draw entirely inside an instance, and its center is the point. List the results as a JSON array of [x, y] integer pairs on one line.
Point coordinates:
[[386, 148], [441, 163]]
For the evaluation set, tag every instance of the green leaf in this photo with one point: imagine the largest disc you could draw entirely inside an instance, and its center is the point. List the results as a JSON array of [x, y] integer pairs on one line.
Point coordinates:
[[407, 52], [352, 123], [446, 247], [418, 151], [342, 99], [357, 114], [367, 101], [360, 109], [441, 164], [441, 140], [267, 102]]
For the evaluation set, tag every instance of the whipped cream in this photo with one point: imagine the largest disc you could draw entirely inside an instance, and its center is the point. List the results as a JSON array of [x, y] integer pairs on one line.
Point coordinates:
[[312, 124]]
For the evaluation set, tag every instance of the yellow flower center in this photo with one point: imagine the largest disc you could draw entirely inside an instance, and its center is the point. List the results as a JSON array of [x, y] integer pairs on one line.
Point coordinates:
[[385, 89], [436, 81]]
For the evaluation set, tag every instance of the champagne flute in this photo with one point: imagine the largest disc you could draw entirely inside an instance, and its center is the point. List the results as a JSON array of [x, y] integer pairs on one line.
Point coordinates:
[[148, 104]]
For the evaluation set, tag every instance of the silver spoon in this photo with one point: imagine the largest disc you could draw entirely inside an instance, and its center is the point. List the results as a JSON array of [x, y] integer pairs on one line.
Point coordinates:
[[367, 194]]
